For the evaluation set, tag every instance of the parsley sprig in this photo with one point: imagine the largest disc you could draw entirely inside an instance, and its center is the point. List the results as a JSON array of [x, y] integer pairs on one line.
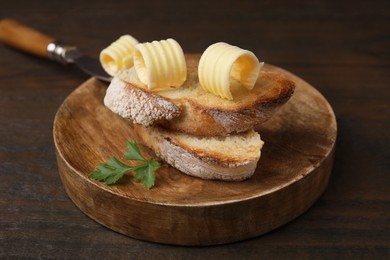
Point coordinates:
[[113, 170]]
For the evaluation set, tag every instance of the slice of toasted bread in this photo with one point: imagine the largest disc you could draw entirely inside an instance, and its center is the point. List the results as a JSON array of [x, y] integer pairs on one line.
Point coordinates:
[[192, 110], [229, 158]]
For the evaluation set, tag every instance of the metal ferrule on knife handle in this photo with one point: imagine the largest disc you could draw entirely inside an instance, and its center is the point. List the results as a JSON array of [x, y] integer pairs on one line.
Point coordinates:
[[62, 53], [22, 37]]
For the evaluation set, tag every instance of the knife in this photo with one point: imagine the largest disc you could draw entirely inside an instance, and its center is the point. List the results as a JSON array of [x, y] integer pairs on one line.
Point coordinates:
[[24, 38]]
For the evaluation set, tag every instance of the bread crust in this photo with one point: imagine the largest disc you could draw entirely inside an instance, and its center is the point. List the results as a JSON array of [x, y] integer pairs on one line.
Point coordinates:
[[200, 113], [192, 162], [204, 121], [136, 105]]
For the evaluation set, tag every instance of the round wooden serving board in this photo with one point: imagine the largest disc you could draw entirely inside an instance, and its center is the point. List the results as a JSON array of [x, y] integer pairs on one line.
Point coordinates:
[[292, 173]]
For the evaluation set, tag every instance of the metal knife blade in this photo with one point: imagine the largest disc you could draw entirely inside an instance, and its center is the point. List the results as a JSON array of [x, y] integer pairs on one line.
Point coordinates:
[[92, 67], [72, 55]]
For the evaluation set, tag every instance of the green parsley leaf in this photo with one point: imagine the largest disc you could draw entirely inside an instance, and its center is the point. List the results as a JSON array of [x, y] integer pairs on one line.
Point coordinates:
[[154, 164], [146, 175], [110, 172], [133, 152]]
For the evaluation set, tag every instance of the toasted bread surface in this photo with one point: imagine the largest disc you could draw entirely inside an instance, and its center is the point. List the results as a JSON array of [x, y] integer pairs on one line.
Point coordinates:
[[192, 110]]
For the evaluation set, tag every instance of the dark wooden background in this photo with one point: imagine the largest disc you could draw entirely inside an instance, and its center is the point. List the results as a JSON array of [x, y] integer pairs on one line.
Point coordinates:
[[340, 47]]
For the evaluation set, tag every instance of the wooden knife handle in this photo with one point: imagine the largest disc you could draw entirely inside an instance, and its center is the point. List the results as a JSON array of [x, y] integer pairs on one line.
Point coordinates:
[[24, 38]]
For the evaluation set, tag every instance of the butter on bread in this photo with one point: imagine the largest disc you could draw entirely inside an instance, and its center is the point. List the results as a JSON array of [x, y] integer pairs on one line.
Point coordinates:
[[190, 109], [118, 55], [230, 158], [160, 64]]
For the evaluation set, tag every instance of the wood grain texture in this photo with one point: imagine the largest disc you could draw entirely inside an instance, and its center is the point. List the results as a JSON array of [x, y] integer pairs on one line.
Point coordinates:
[[293, 172], [340, 47], [24, 38]]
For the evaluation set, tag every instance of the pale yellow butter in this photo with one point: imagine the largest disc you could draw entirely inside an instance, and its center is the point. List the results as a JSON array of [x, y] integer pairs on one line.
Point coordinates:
[[222, 61], [160, 64], [119, 55]]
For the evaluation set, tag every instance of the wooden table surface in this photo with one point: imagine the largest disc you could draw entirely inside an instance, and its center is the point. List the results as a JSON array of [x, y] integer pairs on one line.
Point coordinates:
[[340, 47]]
